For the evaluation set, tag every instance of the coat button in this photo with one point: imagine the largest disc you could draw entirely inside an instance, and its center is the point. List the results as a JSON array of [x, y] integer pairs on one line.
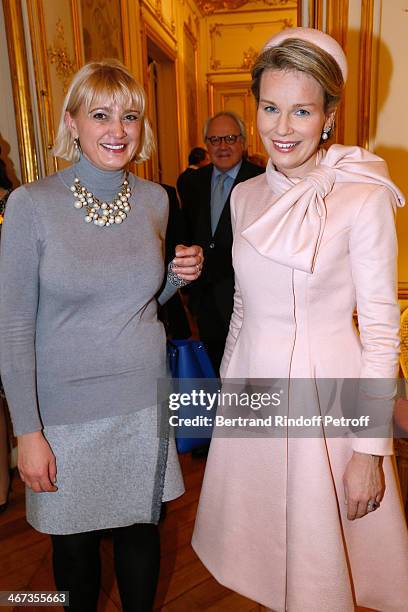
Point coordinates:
[[212, 245]]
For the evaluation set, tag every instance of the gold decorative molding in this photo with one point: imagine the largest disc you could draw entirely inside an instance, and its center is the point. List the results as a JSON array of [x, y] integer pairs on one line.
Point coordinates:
[[299, 13], [219, 91], [249, 58], [38, 36], [216, 31], [188, 28], [364, 83], [162, 19], [316, 14], [236, 96], [126, 33], [157, 14], [77, 32], [403, 290], [209, 7], [21, 89], [278, 3], [337, 26], [58, 54], [337, 20], [191, 84]]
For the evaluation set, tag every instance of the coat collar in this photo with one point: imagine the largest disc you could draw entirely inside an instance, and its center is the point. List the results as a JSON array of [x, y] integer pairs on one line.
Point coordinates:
[[290, 230]]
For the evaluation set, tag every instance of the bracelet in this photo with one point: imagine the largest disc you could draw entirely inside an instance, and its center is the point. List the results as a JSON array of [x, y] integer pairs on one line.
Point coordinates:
[[174, 278]]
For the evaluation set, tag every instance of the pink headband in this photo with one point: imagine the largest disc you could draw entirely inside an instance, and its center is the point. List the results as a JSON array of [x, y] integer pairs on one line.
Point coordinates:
[[316, 37]]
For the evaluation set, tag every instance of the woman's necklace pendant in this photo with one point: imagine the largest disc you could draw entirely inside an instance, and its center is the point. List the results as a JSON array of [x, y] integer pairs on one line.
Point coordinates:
[[102, 214]]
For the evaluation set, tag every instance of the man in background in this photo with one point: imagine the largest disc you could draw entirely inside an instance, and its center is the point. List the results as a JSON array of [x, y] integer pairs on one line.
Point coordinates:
[[206, 207]]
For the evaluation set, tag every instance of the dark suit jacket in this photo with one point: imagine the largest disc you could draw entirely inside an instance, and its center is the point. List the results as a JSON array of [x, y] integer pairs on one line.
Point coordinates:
[[172, 313], [218, 275], [183, 182], [176, 232]]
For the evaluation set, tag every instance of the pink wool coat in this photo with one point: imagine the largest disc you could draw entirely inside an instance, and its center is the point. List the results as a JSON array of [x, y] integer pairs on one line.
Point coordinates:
[[272, 522]]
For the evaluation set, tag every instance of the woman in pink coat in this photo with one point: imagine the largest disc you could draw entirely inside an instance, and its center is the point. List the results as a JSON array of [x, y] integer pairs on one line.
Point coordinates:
[[307, 524]]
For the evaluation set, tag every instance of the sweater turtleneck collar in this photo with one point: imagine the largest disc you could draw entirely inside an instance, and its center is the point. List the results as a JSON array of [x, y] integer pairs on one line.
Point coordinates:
[[104, 184]]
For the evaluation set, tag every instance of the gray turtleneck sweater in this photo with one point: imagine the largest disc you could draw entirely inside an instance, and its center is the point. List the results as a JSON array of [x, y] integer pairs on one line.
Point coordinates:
[[79, 335]]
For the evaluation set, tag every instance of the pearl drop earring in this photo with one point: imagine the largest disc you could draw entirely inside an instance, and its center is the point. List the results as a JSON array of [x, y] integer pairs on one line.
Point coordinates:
[[325, 134]]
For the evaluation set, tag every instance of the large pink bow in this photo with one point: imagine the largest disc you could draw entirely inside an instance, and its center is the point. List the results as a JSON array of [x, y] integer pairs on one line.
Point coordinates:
[[290, 230]]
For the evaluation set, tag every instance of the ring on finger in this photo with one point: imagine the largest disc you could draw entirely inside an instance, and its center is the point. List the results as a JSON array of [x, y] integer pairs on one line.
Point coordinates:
[[372, 505]]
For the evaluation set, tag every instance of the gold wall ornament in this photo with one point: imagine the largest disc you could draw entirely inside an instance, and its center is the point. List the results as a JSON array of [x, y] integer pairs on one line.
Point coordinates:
[[58, 54], [159, 9], [227, 42], [215, 64], [161, 18], [209, 7], [249, 58], [156, 10], [279, 3], [214, 30]]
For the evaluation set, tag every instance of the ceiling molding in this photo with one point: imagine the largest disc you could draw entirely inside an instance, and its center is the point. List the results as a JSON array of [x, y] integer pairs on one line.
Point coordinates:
[[209, 7]]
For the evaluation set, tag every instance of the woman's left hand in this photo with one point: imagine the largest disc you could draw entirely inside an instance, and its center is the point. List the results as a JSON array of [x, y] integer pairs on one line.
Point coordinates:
[[363, 485], [188, 262]]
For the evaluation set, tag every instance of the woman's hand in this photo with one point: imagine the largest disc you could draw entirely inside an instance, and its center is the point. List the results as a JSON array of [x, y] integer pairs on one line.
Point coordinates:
[[188, 262], [363, 485], [36, 462]]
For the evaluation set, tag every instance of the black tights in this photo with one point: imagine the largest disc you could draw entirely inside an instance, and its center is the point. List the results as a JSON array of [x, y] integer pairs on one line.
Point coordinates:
[[77, 567]]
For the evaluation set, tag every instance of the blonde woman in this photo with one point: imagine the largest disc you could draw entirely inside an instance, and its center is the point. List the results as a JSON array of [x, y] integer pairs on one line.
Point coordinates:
[[81, 347]]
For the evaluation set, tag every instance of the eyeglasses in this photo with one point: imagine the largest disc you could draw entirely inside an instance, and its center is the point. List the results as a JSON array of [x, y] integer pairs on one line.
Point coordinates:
[[229, 139]]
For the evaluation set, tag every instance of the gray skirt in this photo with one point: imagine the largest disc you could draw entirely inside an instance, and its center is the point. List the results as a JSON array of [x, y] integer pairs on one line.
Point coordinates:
[[111, 473]]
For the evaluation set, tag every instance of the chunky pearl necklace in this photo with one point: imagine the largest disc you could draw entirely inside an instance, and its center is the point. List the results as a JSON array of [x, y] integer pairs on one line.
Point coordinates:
[[103, 214]]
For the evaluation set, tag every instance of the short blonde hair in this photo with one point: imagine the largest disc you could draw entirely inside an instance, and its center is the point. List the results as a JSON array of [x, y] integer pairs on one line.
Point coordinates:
[[297, 54], [94, 81]]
